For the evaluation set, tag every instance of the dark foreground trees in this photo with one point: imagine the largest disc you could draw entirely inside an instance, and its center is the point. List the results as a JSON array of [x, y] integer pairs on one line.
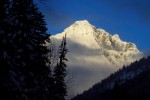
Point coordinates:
[[24, 73]]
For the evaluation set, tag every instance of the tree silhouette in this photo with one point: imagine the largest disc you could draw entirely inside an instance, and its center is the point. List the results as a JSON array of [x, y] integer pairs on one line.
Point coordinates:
[[60, 72], [6, 47], [26, 74]]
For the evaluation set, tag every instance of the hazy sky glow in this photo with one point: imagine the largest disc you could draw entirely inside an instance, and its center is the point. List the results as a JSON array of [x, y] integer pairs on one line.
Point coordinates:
[[128, 18]]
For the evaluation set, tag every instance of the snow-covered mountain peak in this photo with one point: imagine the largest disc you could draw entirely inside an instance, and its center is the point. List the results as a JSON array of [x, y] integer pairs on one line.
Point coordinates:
[[95, 51], [81, 28], [110, 46], [82, 22]]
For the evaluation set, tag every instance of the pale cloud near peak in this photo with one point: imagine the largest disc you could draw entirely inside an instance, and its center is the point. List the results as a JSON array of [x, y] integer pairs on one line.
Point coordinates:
[[88, 68]]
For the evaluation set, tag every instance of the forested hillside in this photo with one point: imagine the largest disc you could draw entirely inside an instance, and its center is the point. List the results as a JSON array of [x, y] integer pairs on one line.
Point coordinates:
[[131, 82]]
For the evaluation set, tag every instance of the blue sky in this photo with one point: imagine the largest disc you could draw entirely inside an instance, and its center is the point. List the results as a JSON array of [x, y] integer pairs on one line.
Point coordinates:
[[128, 18]]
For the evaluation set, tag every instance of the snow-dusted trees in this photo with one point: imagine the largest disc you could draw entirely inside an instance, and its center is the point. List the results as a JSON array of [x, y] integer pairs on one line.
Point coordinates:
[[24, 58], [30, 56]]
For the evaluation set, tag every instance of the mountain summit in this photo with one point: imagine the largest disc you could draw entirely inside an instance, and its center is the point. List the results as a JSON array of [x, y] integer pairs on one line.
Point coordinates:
[[94, 53], [115, 50]]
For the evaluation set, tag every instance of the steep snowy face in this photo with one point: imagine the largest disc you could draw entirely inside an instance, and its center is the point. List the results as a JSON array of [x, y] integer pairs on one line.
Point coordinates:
[[81, 32], [114, 42], [94, 53], [115, 50]]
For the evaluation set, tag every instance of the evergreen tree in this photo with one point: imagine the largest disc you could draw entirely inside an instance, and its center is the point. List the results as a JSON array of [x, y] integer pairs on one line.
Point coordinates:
[[60, 72], [6, 47], [3, 35], [119, 93], [29, 76], [5, 28]]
